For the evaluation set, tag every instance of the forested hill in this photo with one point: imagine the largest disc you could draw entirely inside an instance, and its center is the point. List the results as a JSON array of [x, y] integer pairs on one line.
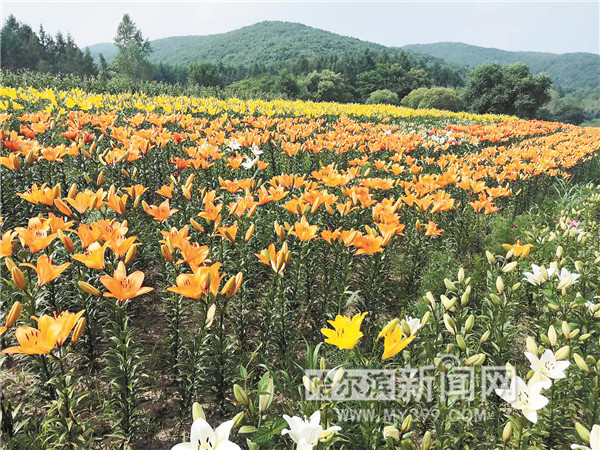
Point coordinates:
[[568, 70], [270, 43], [262, 43]]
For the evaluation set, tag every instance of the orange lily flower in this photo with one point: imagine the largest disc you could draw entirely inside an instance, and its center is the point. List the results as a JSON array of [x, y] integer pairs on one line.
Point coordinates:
[[520, 250], [304, 231], [6, 244], [330, 236], [36, 239], [175, 236], [52, 331], [166, 191], [58, 223], [116, 203], [46, 271], [161, 212], [87, 234], [110, 229], [135, 191], [122, 286], [367, 244], [121, 245], [193, 253], [94, 258], [211, 212], [277, 260], [35, 195], [228, 233], [431, 229], [203, 281], [82, 201]]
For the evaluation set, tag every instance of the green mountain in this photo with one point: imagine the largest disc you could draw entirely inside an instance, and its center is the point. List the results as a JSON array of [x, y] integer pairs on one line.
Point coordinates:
[[262, 43], [568, 70], [266, 43]]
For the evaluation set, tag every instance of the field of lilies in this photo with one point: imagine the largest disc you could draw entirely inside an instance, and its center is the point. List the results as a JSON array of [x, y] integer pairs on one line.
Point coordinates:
[[193, 273]]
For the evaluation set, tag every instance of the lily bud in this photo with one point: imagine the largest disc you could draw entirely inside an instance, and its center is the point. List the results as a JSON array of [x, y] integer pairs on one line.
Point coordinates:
[[264, 400], [407, 424], [559, 252], [210, 315], [388, 328], [510, 267], [469, 323], [449, 284], [566, 330], [18, 278], [197, 412], [449, 322], [475, 360], [240, 395], [581, 363], [426, 442], [63, 207], [531, 345], [100, 178], [507, 432], [130, 254], [249, 233], [461, 342], [88, 288], [461, 275], [562, 353], [337, 377], [166, 253], [552, 336], [484, 337], [430, 299], [78, 330], [490, 257], [500, 285], [583, 432], [464, 299], [196, 226], [13, 315], [9, 263], [237, 420]]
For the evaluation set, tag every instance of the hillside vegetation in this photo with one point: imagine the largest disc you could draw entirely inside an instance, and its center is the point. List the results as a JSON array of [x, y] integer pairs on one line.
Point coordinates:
[[261, 43], [568, 70]]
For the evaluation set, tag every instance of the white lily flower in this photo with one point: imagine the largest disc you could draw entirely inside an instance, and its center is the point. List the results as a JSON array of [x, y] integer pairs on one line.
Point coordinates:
[[414, 324], [593, 308], [307, 432], [526, 398], [234, 145], [539, 274], [249, 163], [594, 440], [566, 278], [535, 277], [255, 150], [203, 437], [546, 368]]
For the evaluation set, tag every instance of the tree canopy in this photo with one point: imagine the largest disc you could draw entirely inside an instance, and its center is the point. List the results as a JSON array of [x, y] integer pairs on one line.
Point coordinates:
[[133, 50], [512, 89]]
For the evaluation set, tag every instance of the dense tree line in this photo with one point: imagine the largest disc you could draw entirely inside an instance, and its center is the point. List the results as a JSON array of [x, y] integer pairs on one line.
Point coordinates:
[[368, 77], [22, 48]]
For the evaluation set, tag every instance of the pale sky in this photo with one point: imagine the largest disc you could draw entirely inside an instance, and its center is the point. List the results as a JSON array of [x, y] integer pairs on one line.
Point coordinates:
[[556, 27]]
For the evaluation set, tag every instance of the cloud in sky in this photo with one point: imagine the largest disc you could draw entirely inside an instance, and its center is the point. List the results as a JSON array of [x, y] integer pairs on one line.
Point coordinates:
[[557, 27]]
